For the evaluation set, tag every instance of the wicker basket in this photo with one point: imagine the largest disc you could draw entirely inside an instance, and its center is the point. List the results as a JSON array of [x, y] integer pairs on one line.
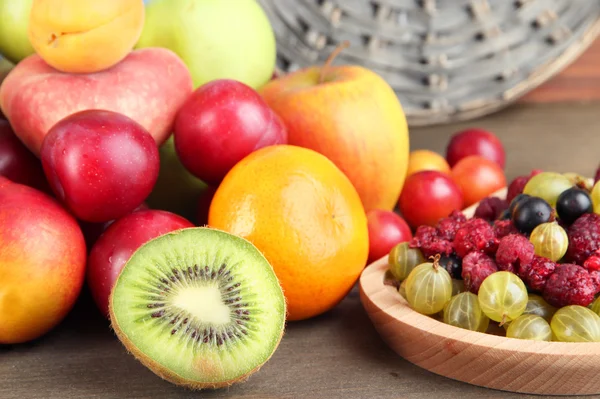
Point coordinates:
[[447, 60]]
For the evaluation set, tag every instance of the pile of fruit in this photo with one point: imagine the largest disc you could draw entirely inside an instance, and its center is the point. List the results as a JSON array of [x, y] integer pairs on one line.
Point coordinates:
[[150, 156], [528, 262]]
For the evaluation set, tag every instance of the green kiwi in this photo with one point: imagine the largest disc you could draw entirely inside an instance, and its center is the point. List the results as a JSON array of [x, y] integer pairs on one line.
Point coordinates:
[[199, 307]]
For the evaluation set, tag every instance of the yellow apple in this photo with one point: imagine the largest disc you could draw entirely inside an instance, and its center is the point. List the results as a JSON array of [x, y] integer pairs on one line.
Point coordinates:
[[351, 115]]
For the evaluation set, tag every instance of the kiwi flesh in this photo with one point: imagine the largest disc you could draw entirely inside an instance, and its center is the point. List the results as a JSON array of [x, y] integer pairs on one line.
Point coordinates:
[[200, 307]]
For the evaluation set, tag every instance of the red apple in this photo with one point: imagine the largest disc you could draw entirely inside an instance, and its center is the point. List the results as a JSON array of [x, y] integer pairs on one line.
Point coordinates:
[[101, 164], [427, 197], [18, 163], [222, 122], [386, 229], [475, 142], [204, 205], [116, 245], [42, 263]]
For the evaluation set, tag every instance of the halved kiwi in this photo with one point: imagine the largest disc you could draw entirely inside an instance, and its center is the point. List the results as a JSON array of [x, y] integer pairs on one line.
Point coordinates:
[[199, 307]]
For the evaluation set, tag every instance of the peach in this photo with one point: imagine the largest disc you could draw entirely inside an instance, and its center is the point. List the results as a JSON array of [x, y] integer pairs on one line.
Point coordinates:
[[42, 263], [84, 36], [149, 86]]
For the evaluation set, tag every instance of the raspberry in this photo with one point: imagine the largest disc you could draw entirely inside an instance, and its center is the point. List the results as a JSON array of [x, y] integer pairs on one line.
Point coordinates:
[[490, 208], [570, 285], [476, 266], [593, 262], [595, 275], [447, 227], [514, 252], [516, 187], [475, 235], [536, 274], [584, 238], [502, 228], [428, 240]]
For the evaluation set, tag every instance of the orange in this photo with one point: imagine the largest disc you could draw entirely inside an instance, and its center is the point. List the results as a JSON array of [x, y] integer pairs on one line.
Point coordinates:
[[304, 215], [419, 160]]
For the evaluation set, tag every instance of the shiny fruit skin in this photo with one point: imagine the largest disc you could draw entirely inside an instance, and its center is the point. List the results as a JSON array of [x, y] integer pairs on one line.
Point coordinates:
[[536, 305], [93, 231], [530, 327], [548, 186], [595, 195], [531, 213], [386, 229], [503, 296], [101, 164], [428, 288], [419, 160], [17, 163], [305, 216], [477, 177], [475, 142], [463, 311], [427, 197], [576, 323], [550, 240], [403, 259], [595, 306], [116, 245], [42, 263], [222, 122], [572, 204], [354, 119]]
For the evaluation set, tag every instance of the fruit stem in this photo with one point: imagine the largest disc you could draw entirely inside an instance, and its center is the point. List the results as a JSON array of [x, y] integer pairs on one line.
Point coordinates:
[[502, 321], [324, 69], [436, 261]]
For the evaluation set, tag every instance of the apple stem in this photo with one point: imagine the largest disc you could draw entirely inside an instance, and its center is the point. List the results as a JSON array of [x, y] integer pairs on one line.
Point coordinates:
[[341, 47]]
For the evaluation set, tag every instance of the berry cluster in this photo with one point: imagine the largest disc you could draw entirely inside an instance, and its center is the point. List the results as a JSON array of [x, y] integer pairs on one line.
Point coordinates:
[[544, 232]]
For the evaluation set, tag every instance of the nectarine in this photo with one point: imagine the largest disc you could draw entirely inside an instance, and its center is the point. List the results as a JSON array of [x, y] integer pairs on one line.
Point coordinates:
[[85, 36], [149, 86], [42, 263]]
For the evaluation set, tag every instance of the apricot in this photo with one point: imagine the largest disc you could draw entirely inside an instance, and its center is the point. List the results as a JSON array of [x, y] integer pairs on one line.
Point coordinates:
[[85, 36]]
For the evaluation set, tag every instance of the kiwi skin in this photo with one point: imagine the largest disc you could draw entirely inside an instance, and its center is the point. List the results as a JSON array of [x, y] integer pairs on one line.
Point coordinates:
[[165, 373]]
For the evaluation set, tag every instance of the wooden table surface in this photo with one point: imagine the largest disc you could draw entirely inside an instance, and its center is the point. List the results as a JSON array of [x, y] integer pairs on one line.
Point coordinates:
[[336, 355]]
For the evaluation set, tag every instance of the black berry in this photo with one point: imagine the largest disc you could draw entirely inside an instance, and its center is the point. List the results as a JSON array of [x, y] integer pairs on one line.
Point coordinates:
[[531, 213], [516, 202], [573, 203], [453, 265], [505, 215]]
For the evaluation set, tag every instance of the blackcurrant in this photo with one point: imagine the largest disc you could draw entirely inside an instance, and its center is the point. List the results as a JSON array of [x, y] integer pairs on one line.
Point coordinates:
[[573, 203], [531, 213], [505, 215], [518, 200], [453, 265]]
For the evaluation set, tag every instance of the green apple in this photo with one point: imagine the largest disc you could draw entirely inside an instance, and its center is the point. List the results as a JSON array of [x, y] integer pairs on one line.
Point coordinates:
[[176, 189], [14, 22], [217, 39]]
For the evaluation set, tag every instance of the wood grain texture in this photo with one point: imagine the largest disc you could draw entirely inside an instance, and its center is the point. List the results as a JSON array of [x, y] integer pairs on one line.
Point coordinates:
[[486, 360], [580, 82], [334, 356]]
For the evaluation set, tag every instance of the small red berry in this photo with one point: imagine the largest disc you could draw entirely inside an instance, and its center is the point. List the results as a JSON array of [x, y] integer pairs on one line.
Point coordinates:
[[516, 187], [584, 238], [490, 208], [427, 239], [597, 176], [476, 266], [536, 274], [514, 251], [502, 228], [475, 235], [570, 285], [448, 226], [593, 262]]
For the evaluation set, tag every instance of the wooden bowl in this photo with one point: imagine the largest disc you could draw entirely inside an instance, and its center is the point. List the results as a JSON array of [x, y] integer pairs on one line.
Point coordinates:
[[487, 360]]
